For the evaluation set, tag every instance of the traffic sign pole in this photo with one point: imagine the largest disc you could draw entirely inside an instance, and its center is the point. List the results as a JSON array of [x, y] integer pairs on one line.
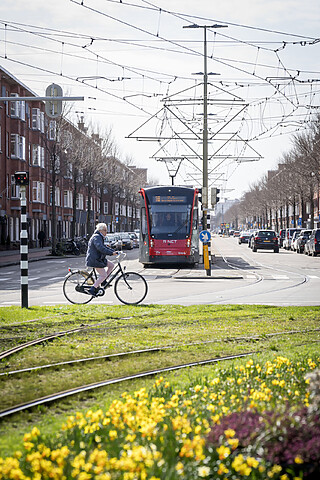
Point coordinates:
[[205, 238]]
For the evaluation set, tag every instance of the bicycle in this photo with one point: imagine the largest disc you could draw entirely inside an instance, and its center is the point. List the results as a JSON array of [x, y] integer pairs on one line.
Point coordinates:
[[130, 287]]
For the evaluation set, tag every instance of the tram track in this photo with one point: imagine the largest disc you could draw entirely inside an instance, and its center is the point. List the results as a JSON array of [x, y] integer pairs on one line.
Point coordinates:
[[156, 349], [87, 387], [262, 278], [73, 391]]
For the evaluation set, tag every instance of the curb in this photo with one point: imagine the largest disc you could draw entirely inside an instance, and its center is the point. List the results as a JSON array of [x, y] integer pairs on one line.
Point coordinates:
[[46, 257]]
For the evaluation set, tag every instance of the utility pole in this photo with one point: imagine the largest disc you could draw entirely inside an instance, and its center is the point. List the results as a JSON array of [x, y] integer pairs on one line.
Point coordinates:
[[205, 123], [205, 180]]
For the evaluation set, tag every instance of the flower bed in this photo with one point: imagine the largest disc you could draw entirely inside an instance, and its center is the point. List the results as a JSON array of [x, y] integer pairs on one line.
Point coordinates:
[[250, 421]]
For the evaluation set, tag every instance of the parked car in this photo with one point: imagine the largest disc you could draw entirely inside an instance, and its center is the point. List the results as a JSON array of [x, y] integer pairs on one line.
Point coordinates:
[[288, 237], [127, 242], [265, 240], [236, 233], [312, 246], [244, 237], [135, 239], [252, 234], [282, 234], [301, 240], [113, 241], [294, 239]]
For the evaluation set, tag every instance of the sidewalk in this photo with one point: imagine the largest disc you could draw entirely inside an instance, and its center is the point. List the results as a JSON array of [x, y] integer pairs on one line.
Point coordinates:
[[13, 257]]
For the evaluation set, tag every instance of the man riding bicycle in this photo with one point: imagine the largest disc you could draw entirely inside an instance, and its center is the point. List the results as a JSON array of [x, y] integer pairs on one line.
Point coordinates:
[[96, 256]]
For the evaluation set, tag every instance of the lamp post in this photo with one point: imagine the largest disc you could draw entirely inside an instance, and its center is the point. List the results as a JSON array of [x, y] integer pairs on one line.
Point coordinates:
[[205, 123]]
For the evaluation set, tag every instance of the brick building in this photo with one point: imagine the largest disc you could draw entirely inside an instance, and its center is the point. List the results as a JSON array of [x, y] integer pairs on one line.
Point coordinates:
[[26, 137]]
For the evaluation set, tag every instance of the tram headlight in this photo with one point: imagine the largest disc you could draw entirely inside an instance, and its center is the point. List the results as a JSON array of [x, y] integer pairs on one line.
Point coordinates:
[[151, 242], [188, 243]]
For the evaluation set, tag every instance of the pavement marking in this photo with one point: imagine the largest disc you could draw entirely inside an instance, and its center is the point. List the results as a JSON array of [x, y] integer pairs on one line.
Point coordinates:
[[58, 261], [5, 279], [280, 277], [313, 276]]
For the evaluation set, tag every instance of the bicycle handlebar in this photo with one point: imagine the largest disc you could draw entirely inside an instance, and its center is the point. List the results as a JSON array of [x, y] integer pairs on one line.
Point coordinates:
[[121, 256]]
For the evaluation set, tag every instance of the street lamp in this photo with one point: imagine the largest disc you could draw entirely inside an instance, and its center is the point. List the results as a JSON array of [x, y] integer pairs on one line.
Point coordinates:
[[205, 122]]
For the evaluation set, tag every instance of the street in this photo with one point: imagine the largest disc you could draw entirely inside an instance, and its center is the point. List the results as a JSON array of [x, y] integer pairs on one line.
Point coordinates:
[[238, 276]]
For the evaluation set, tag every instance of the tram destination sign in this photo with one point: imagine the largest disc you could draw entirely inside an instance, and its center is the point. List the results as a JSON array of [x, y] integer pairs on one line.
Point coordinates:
[[169, 199]]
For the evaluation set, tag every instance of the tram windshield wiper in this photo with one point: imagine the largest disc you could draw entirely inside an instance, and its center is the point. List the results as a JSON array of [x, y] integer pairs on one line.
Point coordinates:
[[182, 225]]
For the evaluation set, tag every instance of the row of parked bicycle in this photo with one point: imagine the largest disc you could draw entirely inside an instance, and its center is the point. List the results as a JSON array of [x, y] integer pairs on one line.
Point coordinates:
[[296, 239]]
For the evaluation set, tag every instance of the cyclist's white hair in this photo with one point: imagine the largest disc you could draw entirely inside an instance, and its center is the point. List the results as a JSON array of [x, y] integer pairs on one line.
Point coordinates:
[[101, 226]]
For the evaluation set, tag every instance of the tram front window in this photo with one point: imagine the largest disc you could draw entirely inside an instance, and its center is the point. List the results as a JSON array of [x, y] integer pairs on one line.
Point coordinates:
[[166, 221]]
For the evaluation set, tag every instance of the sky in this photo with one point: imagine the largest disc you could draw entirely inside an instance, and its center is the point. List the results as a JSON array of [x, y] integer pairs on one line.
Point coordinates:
[[140, 67]]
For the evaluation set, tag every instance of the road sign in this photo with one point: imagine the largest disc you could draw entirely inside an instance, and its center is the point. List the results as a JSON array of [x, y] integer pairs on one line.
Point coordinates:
[[205, 236], [53, 107]]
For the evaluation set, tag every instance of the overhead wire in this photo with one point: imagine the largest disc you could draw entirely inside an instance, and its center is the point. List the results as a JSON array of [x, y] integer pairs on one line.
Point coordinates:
[[181, 49]]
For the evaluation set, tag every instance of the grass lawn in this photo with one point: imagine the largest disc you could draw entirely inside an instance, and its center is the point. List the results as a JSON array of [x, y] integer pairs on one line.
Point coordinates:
[[194, 333]]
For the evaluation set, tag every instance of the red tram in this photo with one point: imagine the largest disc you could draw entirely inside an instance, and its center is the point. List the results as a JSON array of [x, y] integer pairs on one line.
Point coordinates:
[[169, 231]]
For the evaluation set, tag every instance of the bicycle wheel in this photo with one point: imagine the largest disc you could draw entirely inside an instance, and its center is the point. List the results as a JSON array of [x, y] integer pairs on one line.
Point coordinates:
[[130, 288], [75, 287]]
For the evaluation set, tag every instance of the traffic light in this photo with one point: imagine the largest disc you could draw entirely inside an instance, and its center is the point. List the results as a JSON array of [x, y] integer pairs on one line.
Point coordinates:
[[200, 194], [21, 178], [214, 196]]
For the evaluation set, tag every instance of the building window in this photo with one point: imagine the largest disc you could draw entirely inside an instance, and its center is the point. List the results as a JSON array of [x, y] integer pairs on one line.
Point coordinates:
[[38, 192], [18, 108], [67, 199], [57, 196], [37, 120], [69, 171], [79, 204], [52, 130], [105, 208], [38, 156], [18, 146], [116, 208], [15, 189]]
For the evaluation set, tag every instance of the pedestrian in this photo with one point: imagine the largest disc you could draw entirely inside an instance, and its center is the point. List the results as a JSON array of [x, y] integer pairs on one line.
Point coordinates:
[[96, 256], [41, 238]]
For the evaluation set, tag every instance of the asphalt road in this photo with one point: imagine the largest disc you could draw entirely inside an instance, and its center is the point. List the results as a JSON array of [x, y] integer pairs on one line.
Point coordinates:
[[238, 276]]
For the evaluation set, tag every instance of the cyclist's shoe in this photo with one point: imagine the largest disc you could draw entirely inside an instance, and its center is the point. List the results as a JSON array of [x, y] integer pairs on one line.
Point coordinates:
[[93, 291]]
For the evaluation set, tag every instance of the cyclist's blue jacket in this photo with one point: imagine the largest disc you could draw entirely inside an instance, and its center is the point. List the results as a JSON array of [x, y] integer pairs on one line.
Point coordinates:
[[97, 251]]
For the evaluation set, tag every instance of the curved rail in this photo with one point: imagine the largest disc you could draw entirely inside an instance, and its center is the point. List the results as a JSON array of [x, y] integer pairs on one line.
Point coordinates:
[[92, 386], [22, 346], [261, 278], [152, 350]]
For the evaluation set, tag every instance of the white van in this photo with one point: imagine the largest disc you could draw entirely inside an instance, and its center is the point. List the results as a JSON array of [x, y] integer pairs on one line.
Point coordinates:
[[288, 237]]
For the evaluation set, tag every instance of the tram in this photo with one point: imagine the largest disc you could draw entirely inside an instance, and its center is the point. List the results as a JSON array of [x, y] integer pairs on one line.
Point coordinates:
[[169, 228]]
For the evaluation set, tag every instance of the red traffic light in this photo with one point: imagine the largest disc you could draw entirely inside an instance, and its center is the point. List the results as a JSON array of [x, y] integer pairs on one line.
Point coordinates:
[[21, 178]]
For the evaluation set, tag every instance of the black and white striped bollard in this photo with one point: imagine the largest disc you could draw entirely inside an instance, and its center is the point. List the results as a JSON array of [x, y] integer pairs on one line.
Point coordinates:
[[24, 249]]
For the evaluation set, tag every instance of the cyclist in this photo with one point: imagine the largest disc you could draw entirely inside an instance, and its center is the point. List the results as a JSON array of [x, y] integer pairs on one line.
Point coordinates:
[[96, 254]]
